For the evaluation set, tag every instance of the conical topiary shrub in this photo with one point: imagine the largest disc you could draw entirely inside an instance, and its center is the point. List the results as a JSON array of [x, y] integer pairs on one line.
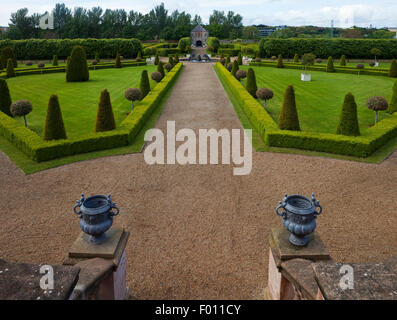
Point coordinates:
[[240, 59], [348, 120], [97, 57], [343, 60], [156, 59], [330, 65], [160, 68], [296, 58], [288, 119], [55, 61], [5, 98], [77, 67], [227, 61], [105, 118], [117, 63], [54, 128], [251, 85], [10, 69], [393, 69], [280, 62], [176, 59], [235, 68], [393, 101], [171, 61], [8, 53], [144, 84]]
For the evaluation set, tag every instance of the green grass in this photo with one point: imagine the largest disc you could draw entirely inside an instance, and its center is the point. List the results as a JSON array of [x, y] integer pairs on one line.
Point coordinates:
[[79, 101], [319, 102], [260, 146], [29, 166]]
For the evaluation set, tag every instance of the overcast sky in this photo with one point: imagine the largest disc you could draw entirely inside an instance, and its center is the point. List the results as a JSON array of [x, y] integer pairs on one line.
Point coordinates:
[[346, 13]]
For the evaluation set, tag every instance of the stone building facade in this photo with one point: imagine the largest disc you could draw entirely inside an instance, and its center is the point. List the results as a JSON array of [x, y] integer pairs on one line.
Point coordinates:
[[199, 36]]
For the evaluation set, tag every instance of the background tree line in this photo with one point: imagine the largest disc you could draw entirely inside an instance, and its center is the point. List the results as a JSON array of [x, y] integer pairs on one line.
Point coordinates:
[[96, 22]]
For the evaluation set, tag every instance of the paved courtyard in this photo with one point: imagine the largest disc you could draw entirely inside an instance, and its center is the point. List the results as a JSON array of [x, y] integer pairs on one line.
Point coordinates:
[[198, 232]]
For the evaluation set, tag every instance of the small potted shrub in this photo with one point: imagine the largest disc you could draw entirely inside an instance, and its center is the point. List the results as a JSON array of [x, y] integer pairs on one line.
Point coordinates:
[[21, 108], [265, 94], [241, 74], [377, 104], [133, 94], [307, 60], [156, 76], [360, 67]]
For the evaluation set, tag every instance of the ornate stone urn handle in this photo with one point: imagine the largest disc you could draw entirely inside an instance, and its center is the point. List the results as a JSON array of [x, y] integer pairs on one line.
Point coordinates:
[[113, 206], [79, 203], [282, 205], [317, 204]]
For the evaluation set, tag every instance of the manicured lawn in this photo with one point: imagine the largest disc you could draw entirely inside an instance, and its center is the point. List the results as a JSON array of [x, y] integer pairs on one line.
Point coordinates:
[[319, 102], [79, 101]]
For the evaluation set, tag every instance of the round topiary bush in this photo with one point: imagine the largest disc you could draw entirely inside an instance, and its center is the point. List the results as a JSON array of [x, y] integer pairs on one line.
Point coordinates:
[[105, 118], [318, 60], [229, 66], [54, 129], [241, 74], [274, 58], [258, 59], [156, 76], [372, 64], [41, 64], [168, 67], [5, 98], [133, 94], [77, 67], [348, 120], [21, 108], [94, 62], [29, 63], [359, 66], [265, 94], [377, 104]]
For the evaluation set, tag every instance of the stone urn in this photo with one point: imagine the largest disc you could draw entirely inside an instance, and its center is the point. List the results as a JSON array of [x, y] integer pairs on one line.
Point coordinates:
[[96, 216], [299, 217]]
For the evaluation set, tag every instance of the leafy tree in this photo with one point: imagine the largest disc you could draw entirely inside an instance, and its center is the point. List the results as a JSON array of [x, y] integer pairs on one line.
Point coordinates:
[[144, 84], [251, 85], [393, 101], [77, 67], [348, 120], [288, 119], [105, 118], [54, 128], [5, 98], [330, 65]]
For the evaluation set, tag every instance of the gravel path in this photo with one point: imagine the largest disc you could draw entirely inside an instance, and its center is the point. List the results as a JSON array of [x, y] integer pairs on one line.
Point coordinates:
[[198, 232]]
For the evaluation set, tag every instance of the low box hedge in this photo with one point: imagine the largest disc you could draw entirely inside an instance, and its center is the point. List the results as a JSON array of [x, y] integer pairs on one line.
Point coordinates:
[[39, 150], [228, 52], [362, 146]]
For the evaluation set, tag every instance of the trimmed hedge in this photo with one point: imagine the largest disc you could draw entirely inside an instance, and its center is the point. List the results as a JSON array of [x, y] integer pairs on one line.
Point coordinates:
[[375, 138], [165, 52], [36, 49], [340, 69], [38, 150], [323, 48], [230, 52]]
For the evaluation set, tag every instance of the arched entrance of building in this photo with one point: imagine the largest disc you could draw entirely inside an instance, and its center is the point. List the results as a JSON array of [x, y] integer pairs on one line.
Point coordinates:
[[199, 43]]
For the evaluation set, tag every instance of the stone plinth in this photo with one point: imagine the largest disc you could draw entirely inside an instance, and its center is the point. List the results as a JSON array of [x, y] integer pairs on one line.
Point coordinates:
[[20, 281], [376, 281], [103, 266], [291, 276]]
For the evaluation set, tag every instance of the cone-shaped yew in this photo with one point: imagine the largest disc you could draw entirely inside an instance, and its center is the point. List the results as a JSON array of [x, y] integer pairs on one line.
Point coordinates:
[[288, 119], [10, 69], [393, 101], [105, 118], [144, 84], [160, 68], [77, 67], [235, 68], [393, 69], [330, 65], [118, 61], [5, 98], [54, 129], [343, 61], [348, 120], [251, 85]]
